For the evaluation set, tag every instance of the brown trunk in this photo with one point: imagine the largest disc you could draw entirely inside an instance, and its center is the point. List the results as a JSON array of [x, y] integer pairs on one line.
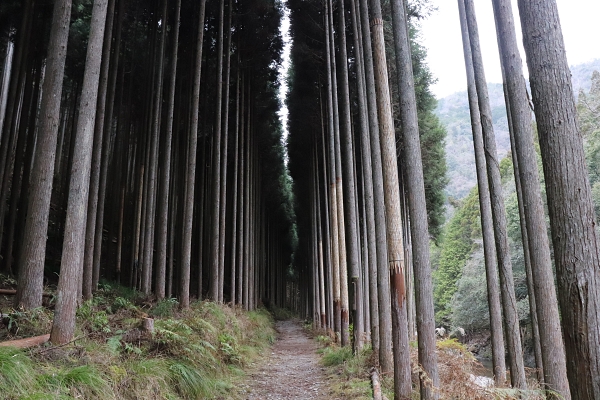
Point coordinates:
[[188, 210], [402, 378], [31, 268], [88, 265], [225, 128], [333, 193], [215, 252], [416, 204], [73, 250], [350, 216], [552, 349], [153, 158], [165, 179], [570, 204]]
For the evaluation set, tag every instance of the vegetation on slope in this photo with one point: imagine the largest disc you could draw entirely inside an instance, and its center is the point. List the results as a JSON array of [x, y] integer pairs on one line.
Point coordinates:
[[196, 354]]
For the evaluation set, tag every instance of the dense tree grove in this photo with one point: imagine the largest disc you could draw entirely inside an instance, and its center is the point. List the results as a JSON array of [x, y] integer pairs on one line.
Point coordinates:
[[135, 145], [141, 143]]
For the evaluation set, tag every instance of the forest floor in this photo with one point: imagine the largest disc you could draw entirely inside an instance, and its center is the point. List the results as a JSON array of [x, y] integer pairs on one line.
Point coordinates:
[[291, 371]]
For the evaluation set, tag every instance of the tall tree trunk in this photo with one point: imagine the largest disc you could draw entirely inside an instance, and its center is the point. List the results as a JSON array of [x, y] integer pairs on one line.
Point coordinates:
[[88, 263], [225, 124], [153, 157], [113, 74], [333, 193], [367, 174], [509, 301], [215, 237], [350, 185], [188, 210], [553, 354], [31, 269], [165, 179], [417, 204], [402, 379], [570, 205], [485, 207], [383, 275], [71, 268]]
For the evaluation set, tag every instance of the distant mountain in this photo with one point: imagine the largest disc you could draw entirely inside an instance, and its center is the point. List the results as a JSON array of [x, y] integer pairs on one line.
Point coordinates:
[[453, 112]]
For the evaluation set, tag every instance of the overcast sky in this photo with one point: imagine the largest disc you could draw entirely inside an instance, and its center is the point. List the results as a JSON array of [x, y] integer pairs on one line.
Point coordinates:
[[441, 36]]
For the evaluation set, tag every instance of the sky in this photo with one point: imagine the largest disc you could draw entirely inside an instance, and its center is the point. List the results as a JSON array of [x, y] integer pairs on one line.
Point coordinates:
[[440, 34]]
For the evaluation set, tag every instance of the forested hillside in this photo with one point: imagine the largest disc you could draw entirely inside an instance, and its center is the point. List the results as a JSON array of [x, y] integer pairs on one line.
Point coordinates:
[[453, 112]]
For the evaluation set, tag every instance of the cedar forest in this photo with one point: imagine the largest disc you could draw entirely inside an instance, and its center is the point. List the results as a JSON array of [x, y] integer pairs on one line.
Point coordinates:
[[141, 148]]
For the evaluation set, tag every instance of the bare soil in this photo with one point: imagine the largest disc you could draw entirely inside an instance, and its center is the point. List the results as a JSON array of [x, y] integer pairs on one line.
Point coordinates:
[[292, 371]]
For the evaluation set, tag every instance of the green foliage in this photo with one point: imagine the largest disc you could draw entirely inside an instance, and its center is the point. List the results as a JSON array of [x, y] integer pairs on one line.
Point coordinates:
[[164, 308], [92, 319], [456, 249], [194, 355], [588, 112], [469, 305], [336, 355]]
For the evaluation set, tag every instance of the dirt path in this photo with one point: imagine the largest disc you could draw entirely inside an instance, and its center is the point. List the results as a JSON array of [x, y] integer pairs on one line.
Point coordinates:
[[292, 371]]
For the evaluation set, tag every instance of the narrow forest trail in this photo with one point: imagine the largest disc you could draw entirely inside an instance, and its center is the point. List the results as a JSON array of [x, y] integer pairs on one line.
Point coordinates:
[[292, 371]]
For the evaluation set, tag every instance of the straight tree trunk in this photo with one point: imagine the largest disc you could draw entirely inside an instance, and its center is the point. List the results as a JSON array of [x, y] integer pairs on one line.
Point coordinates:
[[570, 204], [215, 237], [234, 234], [73, 251], [225, 129], [113, 74], [509, 301], [367, 175], [485, 207], [188, 209], [88, 264], [165, 179], [153, 158], [31, 269], [417, 205], [402, 372], [350, 186], [333, 193], [551, 341], [383, 275]]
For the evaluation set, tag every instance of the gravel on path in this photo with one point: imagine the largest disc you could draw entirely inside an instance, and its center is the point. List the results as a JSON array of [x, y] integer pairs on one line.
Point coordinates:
[[292, 371]]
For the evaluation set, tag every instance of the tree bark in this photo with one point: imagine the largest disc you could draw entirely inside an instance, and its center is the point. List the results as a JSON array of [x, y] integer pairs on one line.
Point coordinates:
[[402, 378], [188, 209], [165, 179], [383, 276], [88, 264], [507, 292], [73, 250], [31, 269], [485, 207], [417, 205], [350, 185], [553, 355], [215, 237], [570, 205]]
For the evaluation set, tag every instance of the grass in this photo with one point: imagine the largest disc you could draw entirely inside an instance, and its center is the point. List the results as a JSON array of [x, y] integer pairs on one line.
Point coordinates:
[[194, 354]]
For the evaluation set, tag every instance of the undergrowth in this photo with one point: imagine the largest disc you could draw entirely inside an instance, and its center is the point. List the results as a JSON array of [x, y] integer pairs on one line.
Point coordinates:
[[192, 354], [457, 368]]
